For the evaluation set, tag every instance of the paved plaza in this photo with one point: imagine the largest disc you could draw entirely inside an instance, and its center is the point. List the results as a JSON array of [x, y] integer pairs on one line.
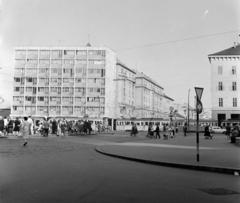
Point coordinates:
[[69, 169]]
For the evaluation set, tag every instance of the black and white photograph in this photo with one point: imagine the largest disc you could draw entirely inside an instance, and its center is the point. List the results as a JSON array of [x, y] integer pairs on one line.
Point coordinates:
[[119, 101]]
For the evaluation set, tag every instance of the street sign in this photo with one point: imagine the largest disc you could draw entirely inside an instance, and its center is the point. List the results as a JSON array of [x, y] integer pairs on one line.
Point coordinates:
[[199, 108], [199, 91]]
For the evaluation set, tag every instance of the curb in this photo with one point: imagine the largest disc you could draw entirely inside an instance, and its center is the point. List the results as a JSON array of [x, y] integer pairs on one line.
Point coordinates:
[[216, 169]]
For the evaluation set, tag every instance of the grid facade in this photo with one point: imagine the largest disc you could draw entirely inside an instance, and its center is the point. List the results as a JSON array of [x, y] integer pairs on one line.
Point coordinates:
[[69, 82]]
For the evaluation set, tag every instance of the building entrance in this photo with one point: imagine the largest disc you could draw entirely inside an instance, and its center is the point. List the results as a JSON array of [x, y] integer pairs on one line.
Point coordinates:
[[221, 118]]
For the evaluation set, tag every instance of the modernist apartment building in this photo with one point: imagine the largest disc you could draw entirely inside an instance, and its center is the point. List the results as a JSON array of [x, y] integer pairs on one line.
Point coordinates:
[[78, 82], [225, 83], [64, 81]]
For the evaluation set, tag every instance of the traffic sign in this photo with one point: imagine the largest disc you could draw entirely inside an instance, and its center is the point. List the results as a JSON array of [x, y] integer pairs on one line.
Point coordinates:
[[199, 91]]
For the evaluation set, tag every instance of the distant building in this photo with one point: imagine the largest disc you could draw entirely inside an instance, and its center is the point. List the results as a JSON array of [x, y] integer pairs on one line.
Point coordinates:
[[225, 84], [125, 91], [149, 97]]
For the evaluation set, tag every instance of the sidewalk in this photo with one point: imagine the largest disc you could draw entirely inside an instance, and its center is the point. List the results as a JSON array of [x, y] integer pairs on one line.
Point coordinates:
[[217, 155]]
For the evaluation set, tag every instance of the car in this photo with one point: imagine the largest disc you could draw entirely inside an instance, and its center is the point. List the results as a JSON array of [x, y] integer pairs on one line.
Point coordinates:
[[216, 129]]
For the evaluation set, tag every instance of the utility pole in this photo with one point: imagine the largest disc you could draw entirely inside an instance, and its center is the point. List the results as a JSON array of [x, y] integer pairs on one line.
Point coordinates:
[[188, 108]]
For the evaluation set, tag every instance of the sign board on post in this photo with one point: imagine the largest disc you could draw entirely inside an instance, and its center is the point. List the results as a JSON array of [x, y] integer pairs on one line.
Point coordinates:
[[199, 108]]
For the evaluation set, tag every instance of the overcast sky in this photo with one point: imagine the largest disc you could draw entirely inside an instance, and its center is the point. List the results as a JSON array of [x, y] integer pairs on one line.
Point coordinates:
[[148, 35]]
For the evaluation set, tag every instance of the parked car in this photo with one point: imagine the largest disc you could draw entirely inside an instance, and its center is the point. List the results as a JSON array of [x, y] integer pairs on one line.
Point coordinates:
[[216, 129]]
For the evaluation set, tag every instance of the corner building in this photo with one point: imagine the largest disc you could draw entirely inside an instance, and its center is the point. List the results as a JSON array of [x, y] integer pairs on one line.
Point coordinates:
[[225, 84], [64, 82]]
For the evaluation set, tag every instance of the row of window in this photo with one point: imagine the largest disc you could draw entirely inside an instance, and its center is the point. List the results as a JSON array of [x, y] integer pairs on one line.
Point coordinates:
[[60, 110], [58, 53], [233, 70], [59, 71], [59, 62], [46, 90], [59, 81], [234, 102], [233, 87]]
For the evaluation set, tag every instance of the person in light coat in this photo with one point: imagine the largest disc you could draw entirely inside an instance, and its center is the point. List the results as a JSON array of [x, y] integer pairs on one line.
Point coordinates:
[[25, 130]]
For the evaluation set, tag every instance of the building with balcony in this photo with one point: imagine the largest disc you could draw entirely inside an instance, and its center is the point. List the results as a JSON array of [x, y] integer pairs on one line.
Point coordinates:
[[225, 84]]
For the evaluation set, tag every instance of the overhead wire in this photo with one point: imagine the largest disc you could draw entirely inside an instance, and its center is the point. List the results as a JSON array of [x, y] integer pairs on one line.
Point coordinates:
[[179, 40]]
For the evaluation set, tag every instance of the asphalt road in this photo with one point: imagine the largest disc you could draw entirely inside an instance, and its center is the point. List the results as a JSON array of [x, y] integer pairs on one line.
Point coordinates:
[[68, 169]]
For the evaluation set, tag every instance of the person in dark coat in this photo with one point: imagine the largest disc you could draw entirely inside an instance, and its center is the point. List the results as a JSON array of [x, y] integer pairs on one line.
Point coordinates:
[[10, 126], [17, 124], [54, 127], [157, 130], [185, 129], [134, 130], [228, 130], [207, 133]]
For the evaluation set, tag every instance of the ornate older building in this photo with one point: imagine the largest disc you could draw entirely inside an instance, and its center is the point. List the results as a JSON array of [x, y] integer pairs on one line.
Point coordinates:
[[225, 83]]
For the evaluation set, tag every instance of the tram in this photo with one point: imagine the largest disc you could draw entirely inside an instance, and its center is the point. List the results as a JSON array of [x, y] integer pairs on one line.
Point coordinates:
[[142, 124]]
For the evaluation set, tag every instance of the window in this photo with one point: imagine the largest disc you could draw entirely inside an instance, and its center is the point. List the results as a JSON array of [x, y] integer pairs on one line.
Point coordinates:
[[234, 102], [78, 80], [40, 98], [29, 79], [234, 70], [220, 86], [220, 102], [17, 79], [234, 86], [17, 89]]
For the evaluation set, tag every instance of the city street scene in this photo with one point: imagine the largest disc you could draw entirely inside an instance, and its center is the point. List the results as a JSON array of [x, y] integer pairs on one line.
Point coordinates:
[[119, 101]]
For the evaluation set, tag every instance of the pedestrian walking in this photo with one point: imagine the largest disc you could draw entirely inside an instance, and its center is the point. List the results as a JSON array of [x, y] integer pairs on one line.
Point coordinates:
[[54, 127], [228, 131], [16, 127], [185, 129], [134, 130], [5, 125], [30, 120], [157, 130], [25, 130], [45, 127], [150, 130], [10, 126], [207, 133]]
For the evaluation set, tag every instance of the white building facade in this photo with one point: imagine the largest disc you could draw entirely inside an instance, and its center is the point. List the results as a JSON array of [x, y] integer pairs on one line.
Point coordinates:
[[64, 82], [81, 82], [225, 84]]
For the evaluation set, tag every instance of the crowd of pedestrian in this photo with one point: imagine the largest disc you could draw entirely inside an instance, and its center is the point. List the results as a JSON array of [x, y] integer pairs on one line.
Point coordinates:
[[169, 131], [26, 126]]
